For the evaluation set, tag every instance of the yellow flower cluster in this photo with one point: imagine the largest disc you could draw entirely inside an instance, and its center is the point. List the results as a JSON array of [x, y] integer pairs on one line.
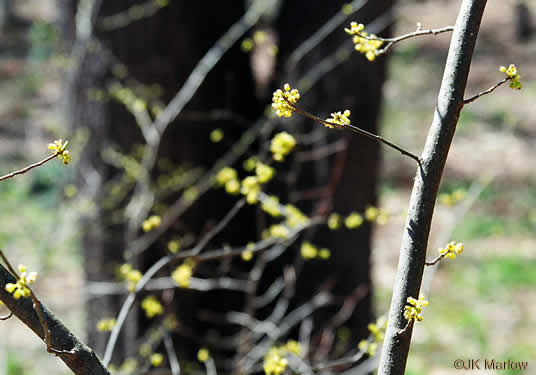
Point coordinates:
[[334, 221], [282, 144], [130, 274], [451, 250], [60, 148], [282, 100], [338, 119], [251, 188], [203, 355], [151, 223], [453, 198], [363, 42], [353, 221], [511, 73], [413, 310], [174, 246], [271, 206], [183, 274], [264, 172], [20, 288], [275, 362], [309, 251], [152, 307], [106, 325], [156, 359], [276, 231], [377, 333], [229, 178], [247, 254], [376, 214], [295, 217], [216, 135]]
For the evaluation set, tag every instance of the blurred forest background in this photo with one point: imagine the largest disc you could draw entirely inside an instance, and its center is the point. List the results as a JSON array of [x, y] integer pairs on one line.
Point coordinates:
[[481, 304]]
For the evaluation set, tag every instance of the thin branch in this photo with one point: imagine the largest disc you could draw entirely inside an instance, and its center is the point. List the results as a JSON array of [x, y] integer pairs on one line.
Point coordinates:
[[391, 41], [172, 355], [491, 89], [421, 208], [31, 166], [434, 262], [356, 130]]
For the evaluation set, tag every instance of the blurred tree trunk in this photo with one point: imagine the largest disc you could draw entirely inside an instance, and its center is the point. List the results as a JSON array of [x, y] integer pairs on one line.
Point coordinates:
[[163, 49]]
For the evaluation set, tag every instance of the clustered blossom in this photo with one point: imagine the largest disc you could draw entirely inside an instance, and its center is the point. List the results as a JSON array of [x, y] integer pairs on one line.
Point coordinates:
[[282, 144], [511, 73], [310, 251], [338, 119], [353, 221], [183, 274], [363, 42], [152, 307], [377, 333], [130, 274], [20, 288], [229, 178], [282, 100], [413, 310], [275, 362], [203, 355], [106, 325], [60, 148], [151, 223], [451, 250]]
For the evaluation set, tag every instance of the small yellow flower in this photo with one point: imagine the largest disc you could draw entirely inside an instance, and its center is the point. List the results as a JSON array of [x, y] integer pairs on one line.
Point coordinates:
[[338, 119], [251, 189], [225, 175], [216, 135], [324, 253], [60, 148], [264, 172], [174, 246], [354, 220], [20, 288], [278, 231], [282, 101], [511, 73], [413, 310], [308, 250], [232, 186], [183, 274], [363, 43], [203, 355], [282, 144], [334, 221], [451, 250], [152, 307], [274, 363], [105, 325], [295, 217], [151, 223], [271, 206], [157, 359]]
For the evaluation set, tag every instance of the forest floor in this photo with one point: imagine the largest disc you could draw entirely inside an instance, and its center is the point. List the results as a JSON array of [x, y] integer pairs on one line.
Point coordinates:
[[481, 304]]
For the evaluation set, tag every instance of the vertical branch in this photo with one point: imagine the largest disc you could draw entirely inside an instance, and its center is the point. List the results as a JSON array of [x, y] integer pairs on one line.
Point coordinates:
[[423, 197]]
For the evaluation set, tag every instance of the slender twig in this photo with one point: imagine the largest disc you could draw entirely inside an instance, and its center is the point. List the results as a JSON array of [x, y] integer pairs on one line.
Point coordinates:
[[31, 166], [391, 41], [428, 178], [491, 89], [434, 262], [172, 355], [356, 130]]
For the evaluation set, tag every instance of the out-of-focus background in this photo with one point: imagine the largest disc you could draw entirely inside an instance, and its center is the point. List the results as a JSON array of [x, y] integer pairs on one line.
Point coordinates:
[[481, 304]]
